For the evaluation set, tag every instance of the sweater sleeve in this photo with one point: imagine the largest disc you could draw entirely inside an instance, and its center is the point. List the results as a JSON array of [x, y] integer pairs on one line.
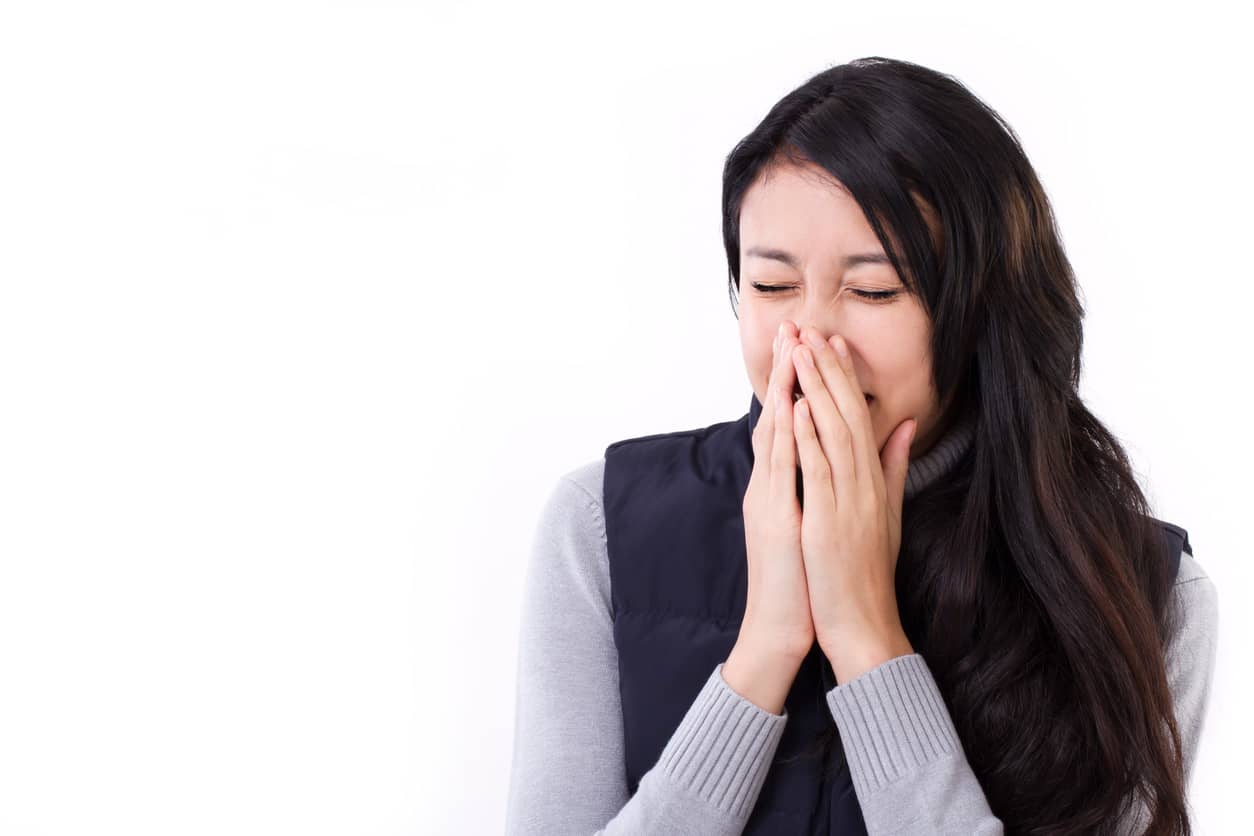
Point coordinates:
[[568, 773], [905, 759]]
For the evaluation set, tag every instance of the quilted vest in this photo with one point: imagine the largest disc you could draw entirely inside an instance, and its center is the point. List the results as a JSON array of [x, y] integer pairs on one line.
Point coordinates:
[[673, 520]]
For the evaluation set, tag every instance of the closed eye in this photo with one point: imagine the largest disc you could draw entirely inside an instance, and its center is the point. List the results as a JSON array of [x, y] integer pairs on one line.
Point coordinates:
[[873, 295]]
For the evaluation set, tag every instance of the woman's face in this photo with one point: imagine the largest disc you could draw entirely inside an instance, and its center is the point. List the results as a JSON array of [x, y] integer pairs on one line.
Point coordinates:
[[795, 215]]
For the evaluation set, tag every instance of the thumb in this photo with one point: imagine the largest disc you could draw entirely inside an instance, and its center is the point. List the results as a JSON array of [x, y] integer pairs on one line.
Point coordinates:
[[896, 463]]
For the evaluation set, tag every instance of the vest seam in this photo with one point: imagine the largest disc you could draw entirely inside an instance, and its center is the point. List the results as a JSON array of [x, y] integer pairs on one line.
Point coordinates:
[[593, 506], [676, 614], [701, 432]]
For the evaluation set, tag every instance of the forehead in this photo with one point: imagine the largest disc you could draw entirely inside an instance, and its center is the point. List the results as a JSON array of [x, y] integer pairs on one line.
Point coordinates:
[[805, 210], [802, 208]]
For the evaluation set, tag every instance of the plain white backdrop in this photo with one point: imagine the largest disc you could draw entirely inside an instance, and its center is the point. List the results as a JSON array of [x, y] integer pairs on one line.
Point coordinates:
[[304, 308]]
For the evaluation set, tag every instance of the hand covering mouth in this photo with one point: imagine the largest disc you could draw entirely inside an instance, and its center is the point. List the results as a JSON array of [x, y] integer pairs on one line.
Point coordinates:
[[797, 394]]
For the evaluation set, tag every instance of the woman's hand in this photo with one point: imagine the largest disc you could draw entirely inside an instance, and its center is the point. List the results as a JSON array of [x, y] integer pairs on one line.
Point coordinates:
[[777, 609], [851, 526]]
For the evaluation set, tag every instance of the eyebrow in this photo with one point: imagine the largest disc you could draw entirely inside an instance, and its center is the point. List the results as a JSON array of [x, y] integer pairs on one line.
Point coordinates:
[[792, 261]]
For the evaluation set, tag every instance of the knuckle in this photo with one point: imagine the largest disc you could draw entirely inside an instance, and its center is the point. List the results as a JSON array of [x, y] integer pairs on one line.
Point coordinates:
[[818, 468], [778, 454]]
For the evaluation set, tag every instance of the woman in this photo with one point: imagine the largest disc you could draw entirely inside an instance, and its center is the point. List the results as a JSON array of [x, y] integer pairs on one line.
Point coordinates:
[[916, 589]]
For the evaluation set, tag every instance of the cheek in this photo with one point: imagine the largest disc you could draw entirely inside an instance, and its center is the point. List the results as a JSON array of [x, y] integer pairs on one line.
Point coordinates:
[[907, 393], [903, 388], [757, 340], [905, 383]]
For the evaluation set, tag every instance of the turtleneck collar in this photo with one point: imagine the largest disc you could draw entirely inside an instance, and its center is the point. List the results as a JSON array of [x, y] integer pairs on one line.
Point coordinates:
[[929, 467]]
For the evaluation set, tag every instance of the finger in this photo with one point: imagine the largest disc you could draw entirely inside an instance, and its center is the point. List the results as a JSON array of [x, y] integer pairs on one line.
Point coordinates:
[[764, 430], [783, 452], [896, 464], [816, 471], [836, 365], [841, 381], [832, 432]]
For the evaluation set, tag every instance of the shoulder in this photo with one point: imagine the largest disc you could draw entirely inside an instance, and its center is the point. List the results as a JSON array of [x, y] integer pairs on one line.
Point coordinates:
[[574, 500], [569, 556], [584, 484], [1191, 571], [1193, 607], [1192, 640]]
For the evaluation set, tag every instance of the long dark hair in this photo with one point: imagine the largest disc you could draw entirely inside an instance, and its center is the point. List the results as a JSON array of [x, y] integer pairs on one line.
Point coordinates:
[[1033, 579]]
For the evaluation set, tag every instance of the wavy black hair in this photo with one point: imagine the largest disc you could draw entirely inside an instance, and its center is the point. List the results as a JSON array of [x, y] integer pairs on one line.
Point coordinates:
[[1033, 580]]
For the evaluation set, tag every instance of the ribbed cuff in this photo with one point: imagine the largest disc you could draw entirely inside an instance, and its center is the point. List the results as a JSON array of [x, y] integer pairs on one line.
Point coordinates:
[[892, 721], [723, 747]]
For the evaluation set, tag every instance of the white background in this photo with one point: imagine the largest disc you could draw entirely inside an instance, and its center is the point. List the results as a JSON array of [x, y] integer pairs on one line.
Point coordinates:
[[304, 308]]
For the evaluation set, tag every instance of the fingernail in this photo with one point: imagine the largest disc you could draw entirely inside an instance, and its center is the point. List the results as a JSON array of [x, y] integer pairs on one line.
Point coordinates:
[[814, 339], [841, 348]]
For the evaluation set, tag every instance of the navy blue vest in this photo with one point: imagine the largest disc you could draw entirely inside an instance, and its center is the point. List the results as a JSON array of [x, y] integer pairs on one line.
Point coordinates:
[[675, 530]]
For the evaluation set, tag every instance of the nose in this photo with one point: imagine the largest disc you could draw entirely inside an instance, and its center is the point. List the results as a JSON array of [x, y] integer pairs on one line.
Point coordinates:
[[806, 330], [821, 316], [819, 306]]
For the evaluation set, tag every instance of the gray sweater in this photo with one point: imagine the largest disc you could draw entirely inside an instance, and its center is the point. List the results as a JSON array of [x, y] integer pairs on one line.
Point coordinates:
[[906, 762]]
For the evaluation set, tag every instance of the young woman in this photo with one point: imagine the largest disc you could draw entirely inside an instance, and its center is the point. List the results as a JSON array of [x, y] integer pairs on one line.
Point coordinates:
[[916, 589]]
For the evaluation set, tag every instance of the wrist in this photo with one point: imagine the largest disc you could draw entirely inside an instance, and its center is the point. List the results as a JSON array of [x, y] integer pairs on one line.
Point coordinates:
[[854, 654], [763, 678]]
